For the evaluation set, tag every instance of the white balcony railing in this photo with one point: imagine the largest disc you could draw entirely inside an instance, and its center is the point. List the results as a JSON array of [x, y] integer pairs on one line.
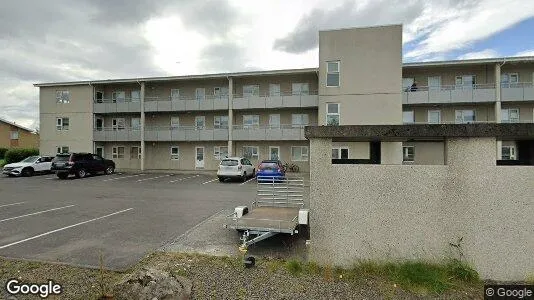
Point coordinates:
[[276, 100], [184, 103], [109, 134], [522, 91], [117, 105], [268, 132], [185, 133]]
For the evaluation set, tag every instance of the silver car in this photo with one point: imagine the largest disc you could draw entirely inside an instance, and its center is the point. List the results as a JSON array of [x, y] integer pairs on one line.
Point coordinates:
[[235, 168]]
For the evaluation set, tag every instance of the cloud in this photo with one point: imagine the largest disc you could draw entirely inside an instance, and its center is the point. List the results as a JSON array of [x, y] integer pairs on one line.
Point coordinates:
[[525, 53], [487, 53]]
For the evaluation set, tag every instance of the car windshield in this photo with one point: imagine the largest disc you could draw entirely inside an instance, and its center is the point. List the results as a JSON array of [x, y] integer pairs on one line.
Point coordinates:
[[30, 159], [269, 165], [229, 162]]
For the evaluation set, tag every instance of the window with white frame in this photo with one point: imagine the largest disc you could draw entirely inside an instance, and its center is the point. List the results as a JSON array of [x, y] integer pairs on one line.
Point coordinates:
[[200, 122], [117, 152], [465, 81], [175, 122], [332, 73], [434, 116], [62, 123], [175, 94], [220, 152], [62, 149], [340, 153], [274, 121], [118, 96], [200, 94], [509, 79], [508, 152], [251, 121], [62, 97], [14, 135], [118, 123], [408, 153], [465, 116], [135, 123], [274, 89], [175, 152], [332, 114], [135, 152], [220, 122], [251, 152], [510, 115], [251, 90], [299, 153], [299, 120], [220, 92], [434, 83], [408, 117], [300, 89], [136, 95]]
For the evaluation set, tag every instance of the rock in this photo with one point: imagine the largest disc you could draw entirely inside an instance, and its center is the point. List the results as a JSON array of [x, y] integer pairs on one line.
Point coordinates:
[[153, 284]]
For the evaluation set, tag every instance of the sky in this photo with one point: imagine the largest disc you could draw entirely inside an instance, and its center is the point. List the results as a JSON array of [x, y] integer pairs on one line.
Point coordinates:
[[64, 40]]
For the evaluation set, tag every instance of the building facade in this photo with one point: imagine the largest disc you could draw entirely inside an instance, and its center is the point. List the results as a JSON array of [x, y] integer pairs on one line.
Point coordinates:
[[191, 122], [15, 136]]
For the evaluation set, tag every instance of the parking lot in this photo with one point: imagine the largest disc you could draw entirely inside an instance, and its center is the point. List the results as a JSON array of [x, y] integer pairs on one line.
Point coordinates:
[[121, 217]]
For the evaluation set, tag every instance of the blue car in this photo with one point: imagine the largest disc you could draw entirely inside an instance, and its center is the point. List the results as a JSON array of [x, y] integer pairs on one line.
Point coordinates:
[[270, 170]]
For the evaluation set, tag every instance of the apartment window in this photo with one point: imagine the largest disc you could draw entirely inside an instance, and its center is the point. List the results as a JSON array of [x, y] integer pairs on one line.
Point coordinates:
[[408, 117], [175, 122], [200, 122], [62, 96], [136, 123], [408, 153], [508, 152], [407, 83], [220, 152], [220, 92], [299, 120], [62, 149], [340, 153], [251, 121], [299, 153], [62, 123], [465, 81], [200, 94], [465, 116], [274, 121], [509, 79], [332, 114], [136, 96], [274, 89], [118, 96], [135, 152], [251, 152], [251, 90], [99, 96], [118, 123], [434, 116], [434, 83], [332, 73], [510, 115], [300, 89], [175, 152], [175, 94], [220, 122], [14, 135], [118, 152]]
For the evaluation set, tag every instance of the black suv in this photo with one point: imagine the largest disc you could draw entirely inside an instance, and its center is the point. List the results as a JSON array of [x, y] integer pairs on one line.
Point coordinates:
[[81, 164]]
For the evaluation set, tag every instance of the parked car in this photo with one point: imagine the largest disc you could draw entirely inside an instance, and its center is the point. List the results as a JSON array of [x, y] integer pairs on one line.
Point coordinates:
[[269, 170], [235, 168], [29, 166], [81, 164]]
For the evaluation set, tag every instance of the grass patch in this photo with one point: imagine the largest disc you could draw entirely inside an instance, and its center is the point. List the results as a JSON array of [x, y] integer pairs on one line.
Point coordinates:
[[294, 267], [2, 163]]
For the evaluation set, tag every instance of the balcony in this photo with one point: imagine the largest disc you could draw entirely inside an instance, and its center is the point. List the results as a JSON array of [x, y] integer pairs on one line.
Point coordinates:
[[450, 94], [153, 104], [108, 134], [268, 132], [517, 92], [282, 100], [185, 134], [101, 106]]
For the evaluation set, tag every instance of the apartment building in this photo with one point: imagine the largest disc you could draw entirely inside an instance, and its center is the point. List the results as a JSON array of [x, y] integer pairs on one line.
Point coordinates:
[[13, 135], [191, 122]]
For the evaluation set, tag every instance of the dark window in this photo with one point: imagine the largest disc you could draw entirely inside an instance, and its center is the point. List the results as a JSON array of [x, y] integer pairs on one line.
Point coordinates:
[[229, 162]]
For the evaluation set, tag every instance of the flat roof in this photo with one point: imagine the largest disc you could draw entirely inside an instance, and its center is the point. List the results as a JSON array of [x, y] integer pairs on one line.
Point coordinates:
[[522, 59]]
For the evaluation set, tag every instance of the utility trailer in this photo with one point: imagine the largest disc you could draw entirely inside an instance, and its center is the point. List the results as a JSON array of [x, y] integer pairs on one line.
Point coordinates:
[[277, 208]]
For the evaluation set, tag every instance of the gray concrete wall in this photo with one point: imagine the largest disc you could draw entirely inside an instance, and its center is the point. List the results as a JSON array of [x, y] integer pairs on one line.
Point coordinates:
[[415, 211]]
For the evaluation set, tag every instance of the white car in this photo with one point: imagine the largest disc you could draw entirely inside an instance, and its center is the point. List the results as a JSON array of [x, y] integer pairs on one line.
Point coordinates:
[[29, 166], [235, 168]]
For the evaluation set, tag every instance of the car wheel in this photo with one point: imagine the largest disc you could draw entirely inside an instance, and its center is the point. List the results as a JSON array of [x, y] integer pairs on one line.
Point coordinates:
[[27, 172], [110, 170], [62, 175], [221, 179], [80, 173], [244, 177]]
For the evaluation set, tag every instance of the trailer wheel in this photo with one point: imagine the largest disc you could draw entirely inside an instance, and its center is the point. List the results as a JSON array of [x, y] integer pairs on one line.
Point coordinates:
[[249, 261]]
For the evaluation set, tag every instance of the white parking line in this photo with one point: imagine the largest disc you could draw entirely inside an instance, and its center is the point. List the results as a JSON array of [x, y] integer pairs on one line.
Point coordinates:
[[117, 178], [162, 176], [63, 228], [210, 181], [180, 179], [11, 204], [35, 213], [253, 178]]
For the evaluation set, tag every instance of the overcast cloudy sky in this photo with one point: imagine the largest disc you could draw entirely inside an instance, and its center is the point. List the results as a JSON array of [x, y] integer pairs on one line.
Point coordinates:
[[63, 40]]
